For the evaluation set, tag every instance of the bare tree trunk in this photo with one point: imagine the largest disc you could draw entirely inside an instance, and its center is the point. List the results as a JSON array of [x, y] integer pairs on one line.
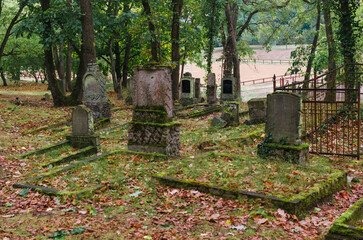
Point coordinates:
[[331, 77], [313, 48], [118, 65], [59, 60], [4, 79], [152, 30], [232, 58], [69, 67], [175, 49], [116, 83]]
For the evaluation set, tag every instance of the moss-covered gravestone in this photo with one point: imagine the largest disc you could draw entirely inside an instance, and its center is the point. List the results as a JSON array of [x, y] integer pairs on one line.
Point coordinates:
[[228, 91], [152, 128], [283, 129], [211, 89], [83, 134], [230, 113], [257, 110], [94, 93], [187, 90]]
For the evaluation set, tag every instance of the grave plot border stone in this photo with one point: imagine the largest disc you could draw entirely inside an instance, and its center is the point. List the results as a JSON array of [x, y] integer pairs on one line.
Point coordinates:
[[343, 227], [292, 154], [296, 205], [43, 150], [201, 112]]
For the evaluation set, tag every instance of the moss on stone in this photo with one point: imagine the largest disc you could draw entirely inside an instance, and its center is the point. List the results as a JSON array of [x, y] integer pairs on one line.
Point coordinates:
[[287, 147], [169, 124]]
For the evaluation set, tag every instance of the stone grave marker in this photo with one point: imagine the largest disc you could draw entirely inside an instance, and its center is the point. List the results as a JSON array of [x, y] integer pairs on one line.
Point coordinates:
[[283, 129], [228, 87], [152, 128], [83, 134], [188, 90], [230, 113], [94, 93], [211, 89], [257, 110]]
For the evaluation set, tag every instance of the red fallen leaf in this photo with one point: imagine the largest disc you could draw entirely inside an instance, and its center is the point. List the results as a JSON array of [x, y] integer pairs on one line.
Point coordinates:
[[268, 184], [282, 213], [296, 172], [260, 220]]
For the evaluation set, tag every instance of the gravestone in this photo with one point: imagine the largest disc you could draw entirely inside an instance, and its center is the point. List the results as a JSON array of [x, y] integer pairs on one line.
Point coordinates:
[[257, 110], [187, 90], [152, 128], [83, 134], [94, 93], [228, 88], [129, 86], [211, 89], [283, 129], [230, 113]]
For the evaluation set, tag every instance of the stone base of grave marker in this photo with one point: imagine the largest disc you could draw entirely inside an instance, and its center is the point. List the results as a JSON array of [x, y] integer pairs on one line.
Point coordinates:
[[288, 153], [188, 101], [230, 113], [100, 110], [153, 131], [257, 111], [85, 141]]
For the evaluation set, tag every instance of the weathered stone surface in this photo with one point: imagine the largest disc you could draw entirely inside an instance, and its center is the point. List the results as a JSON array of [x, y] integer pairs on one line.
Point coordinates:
[[94, 93], [230, 113], [85, 141], [197, 88], [82, 121], [257, 110], [152, 87], [228, 88], [159, 138], [211, 89], [188, 90], [291, 154], [283, 123], [218, 122]]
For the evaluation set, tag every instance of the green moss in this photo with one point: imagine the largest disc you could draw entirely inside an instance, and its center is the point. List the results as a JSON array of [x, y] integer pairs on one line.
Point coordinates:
[[287, 147], [43, 150], [169, 124]]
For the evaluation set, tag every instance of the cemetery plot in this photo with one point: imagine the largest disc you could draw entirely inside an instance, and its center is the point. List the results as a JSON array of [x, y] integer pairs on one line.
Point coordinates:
[[292, 187], [110, 171], [349, 225]]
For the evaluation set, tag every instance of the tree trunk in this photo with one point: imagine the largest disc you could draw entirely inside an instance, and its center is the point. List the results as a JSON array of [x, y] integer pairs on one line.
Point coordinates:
[[116, 84], [58, 97], [331, 77], [152, 30], [59, 60], [88, 49], [125, 67], [175, 49], [232, 58], [313, 48], [4, 79], [118, 65], [69, 67]]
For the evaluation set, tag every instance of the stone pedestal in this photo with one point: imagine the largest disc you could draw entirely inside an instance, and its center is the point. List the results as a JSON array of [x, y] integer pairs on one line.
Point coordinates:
[[292, 154], [152, 128], [257, 110], [211, 89], [94, 93]]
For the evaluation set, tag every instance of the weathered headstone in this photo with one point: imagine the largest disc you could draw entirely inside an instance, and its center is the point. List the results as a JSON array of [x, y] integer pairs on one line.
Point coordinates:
[[129, 86], [94, 93], [257, 110], [211, 89], [152, 128], [83, 134], [218, 122], [228, 91], [283, 128], [187, 90], [230, 113]]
